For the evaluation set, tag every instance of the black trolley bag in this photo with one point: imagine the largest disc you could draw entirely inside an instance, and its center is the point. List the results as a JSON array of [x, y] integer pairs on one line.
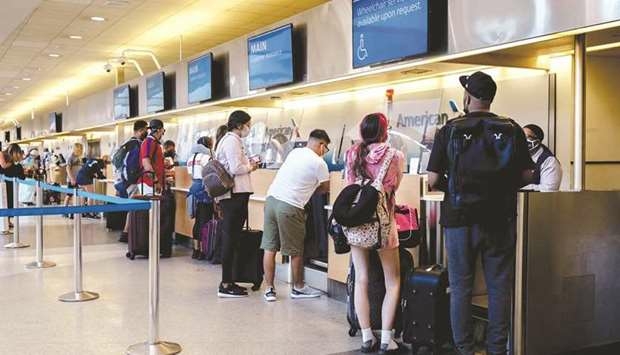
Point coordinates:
[[248, 259], [426, 306], [138, 231], [167, 222], [376, 291], [115, 221]]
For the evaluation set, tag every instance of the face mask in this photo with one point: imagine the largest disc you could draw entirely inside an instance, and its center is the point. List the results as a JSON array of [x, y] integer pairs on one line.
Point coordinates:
[[533, 144], [245, 131]]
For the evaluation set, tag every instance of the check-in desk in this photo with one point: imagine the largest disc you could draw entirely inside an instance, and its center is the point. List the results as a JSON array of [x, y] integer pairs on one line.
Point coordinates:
[[567, 283]]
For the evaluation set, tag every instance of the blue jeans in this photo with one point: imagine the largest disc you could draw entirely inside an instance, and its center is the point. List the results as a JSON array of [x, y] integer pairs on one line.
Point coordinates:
[[496, 245]]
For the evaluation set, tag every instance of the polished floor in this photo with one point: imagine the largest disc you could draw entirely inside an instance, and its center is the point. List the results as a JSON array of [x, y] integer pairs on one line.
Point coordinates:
[[33, 321]]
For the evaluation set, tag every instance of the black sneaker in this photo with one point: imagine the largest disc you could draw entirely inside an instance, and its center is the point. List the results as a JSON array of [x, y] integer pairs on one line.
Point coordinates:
[[244, 289], [270, 294], [384, 349], [123, 237], [370, 346], [231, 292]]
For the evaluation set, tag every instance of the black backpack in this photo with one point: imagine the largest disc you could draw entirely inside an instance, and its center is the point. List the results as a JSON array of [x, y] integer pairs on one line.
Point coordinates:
[[481, 155]]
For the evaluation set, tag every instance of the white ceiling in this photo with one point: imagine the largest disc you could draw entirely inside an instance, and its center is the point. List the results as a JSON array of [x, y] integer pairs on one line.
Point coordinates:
[[30, 30]]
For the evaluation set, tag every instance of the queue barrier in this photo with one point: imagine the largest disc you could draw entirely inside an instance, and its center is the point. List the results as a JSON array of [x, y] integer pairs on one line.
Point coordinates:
[[153, 345]]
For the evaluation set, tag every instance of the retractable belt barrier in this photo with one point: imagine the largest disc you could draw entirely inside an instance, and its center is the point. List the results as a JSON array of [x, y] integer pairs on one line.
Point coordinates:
[[115, 204]]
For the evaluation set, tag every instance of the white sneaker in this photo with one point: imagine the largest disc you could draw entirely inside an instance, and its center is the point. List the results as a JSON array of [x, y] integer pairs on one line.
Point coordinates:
[[305, 292], [270, 294]]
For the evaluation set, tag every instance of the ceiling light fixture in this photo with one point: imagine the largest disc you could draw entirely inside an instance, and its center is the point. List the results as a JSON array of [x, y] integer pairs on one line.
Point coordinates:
[[15, 87], [54, 55], [75, 37], [7, 94], [26, 79], [97, 18]]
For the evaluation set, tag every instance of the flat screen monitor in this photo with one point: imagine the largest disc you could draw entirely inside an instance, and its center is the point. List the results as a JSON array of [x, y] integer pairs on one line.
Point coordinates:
[[155, 93], [18, 133], [7, 136], [388, 31], [55, 120], [270, 58], [199, 80], [122, 102]]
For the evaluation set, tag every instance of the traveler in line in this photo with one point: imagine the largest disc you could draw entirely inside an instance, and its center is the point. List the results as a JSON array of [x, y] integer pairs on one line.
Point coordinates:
[[484, 222], [201, 207], [11, 167], [57, 168], [91, 169], [152, 160], [364, 161], [32, 165], [126, 179], [548, 172], [231, 154], [304, 171], [170, 151], [74, 164]]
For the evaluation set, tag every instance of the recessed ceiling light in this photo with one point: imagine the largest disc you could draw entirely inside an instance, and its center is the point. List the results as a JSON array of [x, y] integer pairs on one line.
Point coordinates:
[[75, 37], [26, 79], [97, 18], [15, 87], [54, 55], [8, 94]]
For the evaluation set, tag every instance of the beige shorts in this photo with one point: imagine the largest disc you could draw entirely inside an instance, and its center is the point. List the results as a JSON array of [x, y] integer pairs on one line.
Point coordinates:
[[284, 228]]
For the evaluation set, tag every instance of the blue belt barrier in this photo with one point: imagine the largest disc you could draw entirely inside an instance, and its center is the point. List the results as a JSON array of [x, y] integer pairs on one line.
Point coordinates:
[[115, 204]]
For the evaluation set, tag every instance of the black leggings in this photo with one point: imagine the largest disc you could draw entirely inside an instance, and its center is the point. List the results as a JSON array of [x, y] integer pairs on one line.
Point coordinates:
[[204, 212], [235, 212]]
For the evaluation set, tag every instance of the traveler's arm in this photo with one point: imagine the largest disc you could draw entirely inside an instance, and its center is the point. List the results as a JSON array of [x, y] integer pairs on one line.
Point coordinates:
[[436, 182], [323, 187], [238, 163], [550, 175], [146, 163]]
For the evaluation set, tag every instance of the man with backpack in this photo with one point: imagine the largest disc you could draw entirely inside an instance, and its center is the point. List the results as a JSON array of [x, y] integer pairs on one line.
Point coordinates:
[[126, 161], [480, 160]]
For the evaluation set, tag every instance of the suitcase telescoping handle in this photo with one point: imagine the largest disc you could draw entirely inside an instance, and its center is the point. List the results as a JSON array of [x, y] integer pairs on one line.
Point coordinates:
[[433, 268]]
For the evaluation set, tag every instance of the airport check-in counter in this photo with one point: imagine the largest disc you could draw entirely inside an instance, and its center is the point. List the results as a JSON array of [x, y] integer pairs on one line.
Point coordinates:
[[568, 259]]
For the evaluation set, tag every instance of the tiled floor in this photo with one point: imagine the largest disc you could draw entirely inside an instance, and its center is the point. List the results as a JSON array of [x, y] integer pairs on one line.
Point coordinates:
[[32, 321]]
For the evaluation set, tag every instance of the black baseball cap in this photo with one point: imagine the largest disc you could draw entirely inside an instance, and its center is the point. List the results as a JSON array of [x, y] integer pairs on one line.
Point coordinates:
[[156, 124], [479, 85]]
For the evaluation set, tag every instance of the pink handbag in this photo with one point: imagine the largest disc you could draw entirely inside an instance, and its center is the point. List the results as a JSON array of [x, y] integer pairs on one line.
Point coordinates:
[[407, 225]]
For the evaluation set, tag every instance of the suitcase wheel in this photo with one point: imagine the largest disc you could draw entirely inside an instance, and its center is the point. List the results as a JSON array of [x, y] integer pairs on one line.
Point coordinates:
[[256, 286], [130, 255], [352, 332]]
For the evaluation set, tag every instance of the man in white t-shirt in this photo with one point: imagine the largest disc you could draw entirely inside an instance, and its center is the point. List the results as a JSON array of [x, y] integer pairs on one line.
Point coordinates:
[[303, 173]]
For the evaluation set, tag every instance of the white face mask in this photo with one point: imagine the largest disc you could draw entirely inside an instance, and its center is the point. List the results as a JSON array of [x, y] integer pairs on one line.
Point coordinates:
[[245, 131], [533, 144]]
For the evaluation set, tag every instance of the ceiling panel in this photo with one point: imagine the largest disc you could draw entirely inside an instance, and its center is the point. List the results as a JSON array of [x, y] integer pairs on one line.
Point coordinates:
[[143, 24]]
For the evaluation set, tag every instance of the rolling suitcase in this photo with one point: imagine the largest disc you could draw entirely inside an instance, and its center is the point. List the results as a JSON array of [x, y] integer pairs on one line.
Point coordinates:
[[211, 241], [115, 221], [138, 234], [376, 291], [167, 223], [248, 260], [427, 308]]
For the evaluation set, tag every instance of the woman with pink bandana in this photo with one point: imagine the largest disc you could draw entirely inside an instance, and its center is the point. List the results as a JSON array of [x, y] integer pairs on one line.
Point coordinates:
[[364, 161]]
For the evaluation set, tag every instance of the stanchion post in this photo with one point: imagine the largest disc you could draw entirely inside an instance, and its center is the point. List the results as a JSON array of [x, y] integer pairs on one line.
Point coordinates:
[[4, 221], [154, 345], [78, 294], [16, 243], [39, 263]]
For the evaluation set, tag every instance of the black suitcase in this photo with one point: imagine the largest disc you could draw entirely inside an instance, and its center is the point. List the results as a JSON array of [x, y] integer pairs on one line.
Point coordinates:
[[376, 291], [427, 308], [115, 221], [138, 234], [248, 259], [167, 222]]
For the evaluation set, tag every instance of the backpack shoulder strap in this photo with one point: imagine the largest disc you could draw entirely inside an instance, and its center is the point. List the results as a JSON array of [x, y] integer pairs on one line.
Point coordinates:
[[378, 183]]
